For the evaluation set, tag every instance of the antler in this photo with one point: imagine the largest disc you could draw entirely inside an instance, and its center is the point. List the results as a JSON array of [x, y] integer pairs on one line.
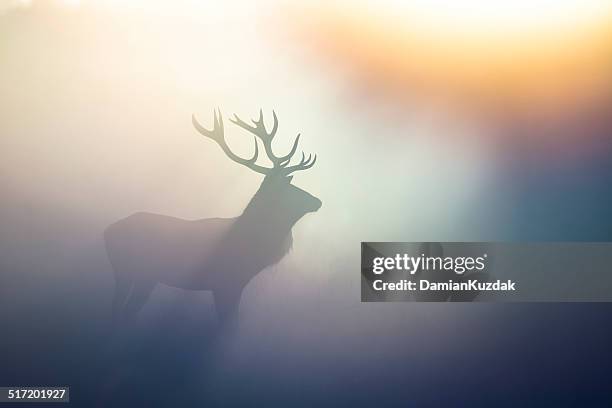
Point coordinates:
[[304, 164], [279, 164], [218, 135], [260, 131]]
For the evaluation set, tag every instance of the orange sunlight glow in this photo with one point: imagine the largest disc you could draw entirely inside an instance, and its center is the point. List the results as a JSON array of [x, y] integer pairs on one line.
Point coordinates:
[[502, 55]]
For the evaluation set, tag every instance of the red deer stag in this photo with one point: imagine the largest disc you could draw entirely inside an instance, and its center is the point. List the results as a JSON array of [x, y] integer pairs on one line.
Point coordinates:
[[217, 254]]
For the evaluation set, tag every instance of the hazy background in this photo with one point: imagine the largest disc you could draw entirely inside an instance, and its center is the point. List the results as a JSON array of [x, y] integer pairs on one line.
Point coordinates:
[[427, 127]]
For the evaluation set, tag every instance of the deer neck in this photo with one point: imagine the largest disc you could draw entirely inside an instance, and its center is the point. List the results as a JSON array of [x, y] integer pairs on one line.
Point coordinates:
[[261, 219]]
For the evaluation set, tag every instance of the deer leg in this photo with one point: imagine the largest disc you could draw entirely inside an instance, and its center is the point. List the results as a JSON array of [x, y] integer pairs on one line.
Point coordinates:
[[141, 291], [123, 285], [227, 302]]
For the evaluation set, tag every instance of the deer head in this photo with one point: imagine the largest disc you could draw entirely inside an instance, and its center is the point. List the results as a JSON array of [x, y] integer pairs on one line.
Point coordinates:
[[277, 196]]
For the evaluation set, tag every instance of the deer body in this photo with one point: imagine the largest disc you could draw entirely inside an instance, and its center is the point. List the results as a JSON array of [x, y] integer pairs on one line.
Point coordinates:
[[217, 254]]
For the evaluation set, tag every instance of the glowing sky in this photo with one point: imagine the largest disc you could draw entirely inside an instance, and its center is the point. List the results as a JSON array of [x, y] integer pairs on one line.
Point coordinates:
[[540, 51], [533, 74]]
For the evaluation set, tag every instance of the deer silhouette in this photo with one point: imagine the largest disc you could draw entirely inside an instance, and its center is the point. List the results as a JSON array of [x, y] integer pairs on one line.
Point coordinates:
[[217, 254]]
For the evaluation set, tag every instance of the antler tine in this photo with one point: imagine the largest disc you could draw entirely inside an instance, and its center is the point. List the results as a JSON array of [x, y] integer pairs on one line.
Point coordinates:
[[220, 119], [259, 130], [218, 135], [260, 126], [212, 134], [256, 154], [274, 125], [283, 161], [304, 164], [258, 121]]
